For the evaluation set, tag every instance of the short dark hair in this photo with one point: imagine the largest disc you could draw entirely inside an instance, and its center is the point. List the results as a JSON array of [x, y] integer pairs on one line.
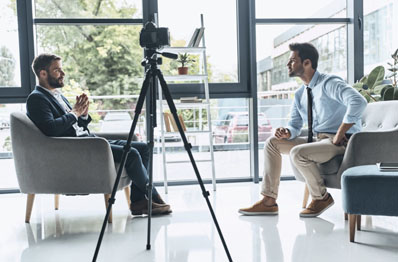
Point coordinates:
[[43, 62], [306, 51]]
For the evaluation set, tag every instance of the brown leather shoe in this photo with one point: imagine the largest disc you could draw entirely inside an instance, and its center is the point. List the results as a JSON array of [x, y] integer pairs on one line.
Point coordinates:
[[141, 208], [317, 207], [259, 208], [158, 200]]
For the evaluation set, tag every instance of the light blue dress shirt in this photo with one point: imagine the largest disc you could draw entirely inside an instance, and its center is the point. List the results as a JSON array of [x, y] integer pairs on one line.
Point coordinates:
[[334, 102]]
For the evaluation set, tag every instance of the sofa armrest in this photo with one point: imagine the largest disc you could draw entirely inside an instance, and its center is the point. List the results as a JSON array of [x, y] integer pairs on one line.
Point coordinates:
[[368, 148]]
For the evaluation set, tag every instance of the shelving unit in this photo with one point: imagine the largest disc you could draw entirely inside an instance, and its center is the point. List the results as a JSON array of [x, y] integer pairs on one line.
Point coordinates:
[[202, 77]]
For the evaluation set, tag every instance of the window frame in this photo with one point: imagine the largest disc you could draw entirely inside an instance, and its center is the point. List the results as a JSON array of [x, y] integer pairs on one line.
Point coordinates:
[[354, 23], [19, 94]]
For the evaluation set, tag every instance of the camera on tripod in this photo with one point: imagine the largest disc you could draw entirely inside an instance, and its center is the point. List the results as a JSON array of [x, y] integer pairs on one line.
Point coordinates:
[[153, 37]]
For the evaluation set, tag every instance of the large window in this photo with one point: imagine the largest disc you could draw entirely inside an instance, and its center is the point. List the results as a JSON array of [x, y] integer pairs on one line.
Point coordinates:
[[380, 25], [88, 9], [230, 124], [103, 61], [297, 9], [222, 51], [275, 89], [10, 73], [8, 177], [98, 41]]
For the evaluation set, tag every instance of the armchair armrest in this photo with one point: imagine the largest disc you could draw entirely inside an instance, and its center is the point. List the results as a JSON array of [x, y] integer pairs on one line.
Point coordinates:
[[115, 135], [367, 148]]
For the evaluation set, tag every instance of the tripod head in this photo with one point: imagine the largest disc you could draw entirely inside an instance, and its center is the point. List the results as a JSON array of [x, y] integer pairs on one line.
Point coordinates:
[[152, 59]]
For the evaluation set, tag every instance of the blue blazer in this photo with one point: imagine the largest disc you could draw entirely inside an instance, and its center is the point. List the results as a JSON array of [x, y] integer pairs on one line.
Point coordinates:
[[49, 115]]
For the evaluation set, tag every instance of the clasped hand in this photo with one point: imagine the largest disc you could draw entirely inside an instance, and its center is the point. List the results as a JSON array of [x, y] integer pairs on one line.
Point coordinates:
[[81, 106], [282, 132]]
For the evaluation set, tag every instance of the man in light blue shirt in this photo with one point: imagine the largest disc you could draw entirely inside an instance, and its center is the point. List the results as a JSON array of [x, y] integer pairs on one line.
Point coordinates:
[[336, 110]]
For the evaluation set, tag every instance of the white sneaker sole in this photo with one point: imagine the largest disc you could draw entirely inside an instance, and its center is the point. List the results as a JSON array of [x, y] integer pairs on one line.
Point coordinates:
[[258, 213], [317, 214]]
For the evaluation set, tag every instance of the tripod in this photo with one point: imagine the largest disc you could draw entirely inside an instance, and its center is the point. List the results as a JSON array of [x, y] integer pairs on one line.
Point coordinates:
[[152, 73]]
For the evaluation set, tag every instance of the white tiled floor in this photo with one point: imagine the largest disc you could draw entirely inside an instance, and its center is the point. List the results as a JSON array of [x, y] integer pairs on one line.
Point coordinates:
[[70, 234]]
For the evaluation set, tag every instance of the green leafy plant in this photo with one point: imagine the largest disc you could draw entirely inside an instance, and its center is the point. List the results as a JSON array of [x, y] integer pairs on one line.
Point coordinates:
[[393, 69], [376, 87], [185, 59]]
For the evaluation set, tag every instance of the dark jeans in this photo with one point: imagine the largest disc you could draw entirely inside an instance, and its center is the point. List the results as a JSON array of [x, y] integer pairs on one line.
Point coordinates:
[[136, 166]]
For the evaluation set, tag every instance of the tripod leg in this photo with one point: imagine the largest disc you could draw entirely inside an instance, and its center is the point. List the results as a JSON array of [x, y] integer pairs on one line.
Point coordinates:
[[188, 147], [152, 117], [126, 150]]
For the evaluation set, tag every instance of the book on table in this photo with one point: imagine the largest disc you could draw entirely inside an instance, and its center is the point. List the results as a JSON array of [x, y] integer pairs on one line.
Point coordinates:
[[387, 166], [193, 38], [196, 37]]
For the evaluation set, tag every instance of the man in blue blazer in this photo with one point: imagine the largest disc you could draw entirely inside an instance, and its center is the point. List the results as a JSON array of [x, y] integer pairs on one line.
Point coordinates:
[[54, 116]]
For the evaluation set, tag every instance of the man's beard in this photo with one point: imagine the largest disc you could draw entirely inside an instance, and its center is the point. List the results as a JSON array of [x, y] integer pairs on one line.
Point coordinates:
[[54, 82], [297, 72]]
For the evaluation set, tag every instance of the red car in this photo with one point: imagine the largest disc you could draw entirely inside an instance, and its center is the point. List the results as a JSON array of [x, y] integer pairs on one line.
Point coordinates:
[[234, 128]]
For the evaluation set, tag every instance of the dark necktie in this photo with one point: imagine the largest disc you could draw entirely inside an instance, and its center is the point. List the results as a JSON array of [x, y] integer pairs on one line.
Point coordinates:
[[309, 112]]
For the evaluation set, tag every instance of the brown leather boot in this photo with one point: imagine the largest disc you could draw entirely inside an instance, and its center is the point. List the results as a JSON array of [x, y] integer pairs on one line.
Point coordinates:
[[158, 200], [141, 208]]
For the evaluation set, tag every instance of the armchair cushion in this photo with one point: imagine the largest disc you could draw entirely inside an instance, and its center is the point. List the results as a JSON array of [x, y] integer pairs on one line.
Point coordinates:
[[368, 191]]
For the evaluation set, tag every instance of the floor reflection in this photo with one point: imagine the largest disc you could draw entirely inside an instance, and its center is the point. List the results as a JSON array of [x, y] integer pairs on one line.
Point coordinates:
[[307, 246], [69, 240], [265, 232]]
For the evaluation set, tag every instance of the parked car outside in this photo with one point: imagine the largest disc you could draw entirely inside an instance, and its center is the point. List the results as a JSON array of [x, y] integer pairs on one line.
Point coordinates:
[[121, 122], [4, 123], [116, 122], [234, 128]]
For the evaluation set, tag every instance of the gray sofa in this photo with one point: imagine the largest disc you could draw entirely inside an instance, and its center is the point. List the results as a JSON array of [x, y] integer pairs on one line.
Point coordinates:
[[377, 142], [62, 165]]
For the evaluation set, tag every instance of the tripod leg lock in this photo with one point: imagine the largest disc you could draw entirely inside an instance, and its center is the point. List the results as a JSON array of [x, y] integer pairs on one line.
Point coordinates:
[[188, 146], [149, 187], [206, 194], [127, 148], [111, 201]]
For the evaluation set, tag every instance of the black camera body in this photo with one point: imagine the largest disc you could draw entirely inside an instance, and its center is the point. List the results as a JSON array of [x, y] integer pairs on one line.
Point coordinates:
[[153, 37]]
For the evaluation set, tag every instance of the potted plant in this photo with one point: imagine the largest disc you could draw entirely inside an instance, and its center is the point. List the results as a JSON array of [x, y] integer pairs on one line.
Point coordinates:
[[376, 87], [185, 60]]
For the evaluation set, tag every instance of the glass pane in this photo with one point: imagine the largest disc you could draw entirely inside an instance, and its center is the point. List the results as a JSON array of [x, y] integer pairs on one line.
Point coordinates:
[[104, 62], [380, 25], [275, 87], [10, 74], [221, 53], [8, 178], [88, 9], [300, 9], [230, 141]]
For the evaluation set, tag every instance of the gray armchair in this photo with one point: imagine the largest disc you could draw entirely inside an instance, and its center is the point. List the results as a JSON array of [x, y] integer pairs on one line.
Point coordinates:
[[61, 165], [378, 142]]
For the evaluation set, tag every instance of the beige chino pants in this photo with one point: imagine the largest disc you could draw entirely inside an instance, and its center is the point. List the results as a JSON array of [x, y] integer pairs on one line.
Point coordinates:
[[304, 156]]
